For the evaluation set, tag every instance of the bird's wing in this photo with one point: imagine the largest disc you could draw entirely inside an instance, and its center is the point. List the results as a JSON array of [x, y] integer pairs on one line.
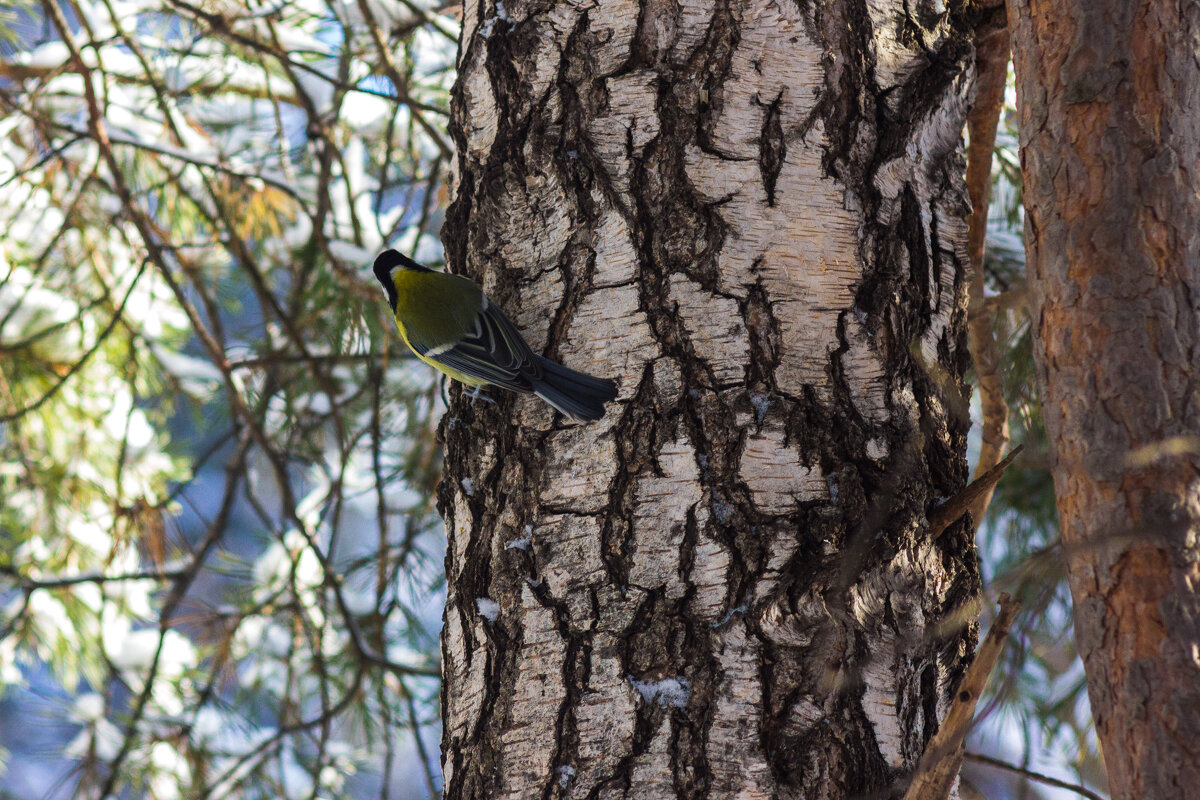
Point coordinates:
[[493, 350]]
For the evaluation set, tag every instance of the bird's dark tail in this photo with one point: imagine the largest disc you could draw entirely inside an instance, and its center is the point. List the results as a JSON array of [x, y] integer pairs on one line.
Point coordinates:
[[575, 394]]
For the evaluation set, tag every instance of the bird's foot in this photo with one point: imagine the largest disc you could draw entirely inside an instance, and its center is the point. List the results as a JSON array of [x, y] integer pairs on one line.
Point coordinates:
[[477, 395]]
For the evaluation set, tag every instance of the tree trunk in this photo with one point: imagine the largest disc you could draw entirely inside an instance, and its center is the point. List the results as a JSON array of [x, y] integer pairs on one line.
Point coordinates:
[[752, 216], [1110, 154]]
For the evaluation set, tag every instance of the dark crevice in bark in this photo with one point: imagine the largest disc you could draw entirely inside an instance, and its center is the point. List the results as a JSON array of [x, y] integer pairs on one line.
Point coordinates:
[[765, 336], [638, 419], [771, 149], [574, 673], [911, 232], [929, 700]]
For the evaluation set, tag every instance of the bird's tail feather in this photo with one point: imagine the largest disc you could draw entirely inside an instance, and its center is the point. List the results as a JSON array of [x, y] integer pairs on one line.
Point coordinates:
[[576, 394]]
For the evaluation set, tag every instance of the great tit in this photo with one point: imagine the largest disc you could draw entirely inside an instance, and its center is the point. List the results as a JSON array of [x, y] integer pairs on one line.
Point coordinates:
[[450, 324]]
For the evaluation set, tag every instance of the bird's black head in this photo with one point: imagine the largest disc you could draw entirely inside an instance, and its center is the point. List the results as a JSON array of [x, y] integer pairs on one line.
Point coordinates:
[[387, 263]]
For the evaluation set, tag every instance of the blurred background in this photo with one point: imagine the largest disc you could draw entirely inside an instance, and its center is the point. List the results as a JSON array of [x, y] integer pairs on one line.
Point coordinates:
[[220, 565]]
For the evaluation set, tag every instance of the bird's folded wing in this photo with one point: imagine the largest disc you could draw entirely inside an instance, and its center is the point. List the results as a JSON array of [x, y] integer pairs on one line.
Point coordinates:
[[493, 351]]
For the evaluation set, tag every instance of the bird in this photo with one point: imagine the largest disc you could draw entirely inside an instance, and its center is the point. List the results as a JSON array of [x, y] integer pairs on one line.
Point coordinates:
[[451, 325]]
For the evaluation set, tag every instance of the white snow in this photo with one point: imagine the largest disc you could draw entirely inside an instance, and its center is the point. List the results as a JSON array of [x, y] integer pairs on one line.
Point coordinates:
[[488, 608], [101, 741], [88, 708], [669, 692], [350, 253]]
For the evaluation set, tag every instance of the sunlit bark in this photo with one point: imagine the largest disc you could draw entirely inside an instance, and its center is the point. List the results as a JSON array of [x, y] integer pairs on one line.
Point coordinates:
[[752, 215]]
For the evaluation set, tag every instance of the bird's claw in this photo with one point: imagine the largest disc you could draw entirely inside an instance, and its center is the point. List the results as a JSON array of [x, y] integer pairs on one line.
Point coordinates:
[[476, 395]]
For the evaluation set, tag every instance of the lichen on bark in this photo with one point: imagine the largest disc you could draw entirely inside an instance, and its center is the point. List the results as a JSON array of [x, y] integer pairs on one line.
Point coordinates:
[[752, 215]]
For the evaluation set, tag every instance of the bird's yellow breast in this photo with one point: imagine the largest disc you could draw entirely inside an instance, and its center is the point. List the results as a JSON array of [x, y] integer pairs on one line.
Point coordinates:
[[434, 309]]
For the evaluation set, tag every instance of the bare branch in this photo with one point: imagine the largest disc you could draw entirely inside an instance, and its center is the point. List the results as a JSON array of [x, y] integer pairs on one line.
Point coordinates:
[[938, 768], [952, 510], [991, 66], [1082, 791]]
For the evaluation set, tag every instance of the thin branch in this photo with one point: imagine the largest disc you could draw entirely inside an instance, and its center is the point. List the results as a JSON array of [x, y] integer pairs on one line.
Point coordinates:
[[144, 223], [189, 157], [991, 66], [1082, 791], [220, 26], [422, 753], [273, 359], [234, 471], [204, 88], [939, 765], [82, 360], [952, 510], [166, 572], [399, 83]]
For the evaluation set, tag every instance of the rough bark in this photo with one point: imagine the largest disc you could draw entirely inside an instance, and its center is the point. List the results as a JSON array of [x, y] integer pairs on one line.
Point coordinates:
[[752, 215], [1110, 153]]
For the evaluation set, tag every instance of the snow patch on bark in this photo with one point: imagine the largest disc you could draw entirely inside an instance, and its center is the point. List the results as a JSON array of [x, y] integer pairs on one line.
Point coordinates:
[[488, 608], [668, 692], [523, 542]]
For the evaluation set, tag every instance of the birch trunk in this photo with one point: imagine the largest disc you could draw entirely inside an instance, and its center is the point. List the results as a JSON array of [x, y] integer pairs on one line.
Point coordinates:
[[752, 215], [1110, 154]]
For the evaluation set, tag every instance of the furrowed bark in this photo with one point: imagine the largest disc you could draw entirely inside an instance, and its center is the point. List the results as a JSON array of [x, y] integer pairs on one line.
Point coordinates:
[[1110, 154], [752, 215]]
